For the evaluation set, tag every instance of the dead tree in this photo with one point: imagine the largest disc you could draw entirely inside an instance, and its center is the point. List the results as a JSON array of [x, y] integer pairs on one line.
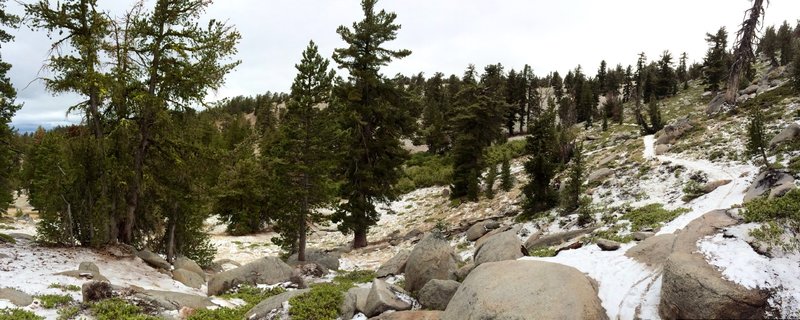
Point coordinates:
[[743, 54]]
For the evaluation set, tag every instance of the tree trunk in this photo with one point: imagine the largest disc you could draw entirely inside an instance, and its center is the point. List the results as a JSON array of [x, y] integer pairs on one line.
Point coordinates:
[[301, 246], [171, 241], [360, 238], [743, 54]]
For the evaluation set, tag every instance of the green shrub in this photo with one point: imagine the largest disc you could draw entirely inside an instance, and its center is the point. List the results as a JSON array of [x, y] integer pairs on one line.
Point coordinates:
[[118, 309], [543, 252], [355, 276], [786, 207], [219, 314], [4, 238], [424, 170], [252, 295], [68, 313], [692, 190], [50, 301], [651, 216], [321, 303], [65, 287], [18, 314], [613, 234]]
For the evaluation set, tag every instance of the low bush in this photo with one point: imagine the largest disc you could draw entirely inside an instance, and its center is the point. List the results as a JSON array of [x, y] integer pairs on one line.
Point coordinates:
[[18, 314], [692, 190], [118, 309], [321, 303], [65, 287], [356, 276], [651, 216], [543, 252], [50, 301]]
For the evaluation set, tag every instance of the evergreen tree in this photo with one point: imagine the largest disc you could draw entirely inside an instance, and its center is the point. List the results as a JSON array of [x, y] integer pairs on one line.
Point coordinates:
[[558, 86], [756, 136], [796, 72], [491, 177], [715, 66], [574, 188], [654, 112], [478, 106], [435, 115], [241, 194], [682, 72], [544, 156], [768, 46], [371, 113], [601, 76], [303, 156], [628, 87], [785, 43], [667, 82], [9, 155], [506, 179]]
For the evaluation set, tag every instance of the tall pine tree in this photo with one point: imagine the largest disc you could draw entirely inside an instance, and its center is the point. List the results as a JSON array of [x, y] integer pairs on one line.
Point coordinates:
[[9, 155], [371, 113]]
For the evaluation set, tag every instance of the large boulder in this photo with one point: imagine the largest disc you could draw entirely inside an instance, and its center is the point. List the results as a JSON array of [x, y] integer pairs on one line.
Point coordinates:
[[188, 278], [464, 271], [153, 260], [599, 175], [504, 246], [607, 245], [174, 300], [477, 230], [781, 190], [431, 258], [95, 291], [693, 289], [765, 182], [410, 315], [395, 266], [267, 270], [88, 266], [519, 289], [384, 297], [264, 308], [713, 185], [355, 300], [436, 294], [653, 251], [189, 265], [18, 298], [672, 132], [792, 132], [329, 260], [716, 105], [539, 242]]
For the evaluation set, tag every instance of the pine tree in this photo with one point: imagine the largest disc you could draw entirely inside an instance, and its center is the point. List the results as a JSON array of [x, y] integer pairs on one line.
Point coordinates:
[[506, 179], [543, 148], [303, 157], [768, 46], [9, 155], [372, 114], [574, 188], [682, 72], [654, 112], [756, 136], [558, 86], [491, 177], [628, 87], [478, 106], [601, 76], [796, 72], [785, 43], [667, 81], [715, 66], [435, 115]]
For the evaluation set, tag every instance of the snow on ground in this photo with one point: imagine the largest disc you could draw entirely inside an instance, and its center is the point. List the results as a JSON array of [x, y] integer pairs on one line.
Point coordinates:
[[623, 282], [649, 147], [739, 263]]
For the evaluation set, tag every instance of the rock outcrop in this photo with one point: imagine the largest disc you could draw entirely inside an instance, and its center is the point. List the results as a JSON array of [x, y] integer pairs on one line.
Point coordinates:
[[477, 230], [329, 260], [174, 300], [18, 298], [188, 278], [503, 246], [153, 260], [555, 239], [518, 289], [765, 182], [431, 258], [693, 289], [267, 270], [790, 133], [436, 294], [394, 266]]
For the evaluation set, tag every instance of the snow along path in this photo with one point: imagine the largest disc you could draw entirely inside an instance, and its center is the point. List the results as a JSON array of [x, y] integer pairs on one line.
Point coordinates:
[[629, 289]]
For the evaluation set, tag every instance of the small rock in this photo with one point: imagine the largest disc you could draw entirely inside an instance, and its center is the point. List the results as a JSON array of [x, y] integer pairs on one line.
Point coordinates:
[[713, 185], [18, 298], [355, 300], [189, 265], [153, 260], [395, 266], [641, 235], [477, 230], [600, 174], [782, 190], [436, 294], [175, 300], [383, 297], [96, 290], [188, 278], [607, 245], [661, 149], [88, 266], [410, 315]]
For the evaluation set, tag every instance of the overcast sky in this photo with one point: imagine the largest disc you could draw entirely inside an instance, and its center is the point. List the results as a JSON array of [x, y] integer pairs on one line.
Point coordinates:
[[444, 35]]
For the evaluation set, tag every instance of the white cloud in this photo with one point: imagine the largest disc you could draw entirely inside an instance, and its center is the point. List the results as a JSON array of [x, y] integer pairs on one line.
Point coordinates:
[[445, 36]]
